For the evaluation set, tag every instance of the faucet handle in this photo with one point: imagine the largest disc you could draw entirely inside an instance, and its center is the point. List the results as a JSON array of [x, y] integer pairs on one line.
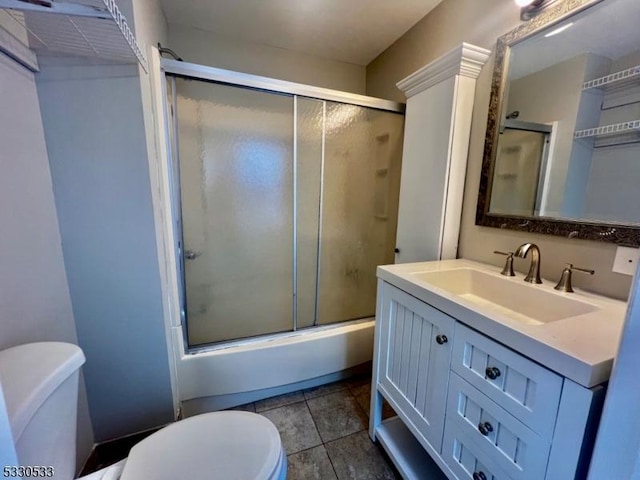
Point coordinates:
[[564, 284], [508, 265]]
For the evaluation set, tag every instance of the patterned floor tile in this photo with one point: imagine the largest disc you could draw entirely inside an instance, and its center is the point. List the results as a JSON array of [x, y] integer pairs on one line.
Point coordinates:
[[279, 401], [337, 415], [312, 464], [356, 457], [296, 427]]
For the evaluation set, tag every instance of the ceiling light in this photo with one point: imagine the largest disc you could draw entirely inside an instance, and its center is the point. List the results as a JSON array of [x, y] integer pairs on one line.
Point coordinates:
[[531, 8], [558, 30]]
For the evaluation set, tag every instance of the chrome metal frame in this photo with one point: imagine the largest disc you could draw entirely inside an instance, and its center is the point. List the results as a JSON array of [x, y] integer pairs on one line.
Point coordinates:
[[320, 212], [203, 72], [295, 213], [176, 201]]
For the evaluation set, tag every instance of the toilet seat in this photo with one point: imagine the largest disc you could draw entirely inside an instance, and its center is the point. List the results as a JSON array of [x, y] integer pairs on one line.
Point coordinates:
[[220, 445]]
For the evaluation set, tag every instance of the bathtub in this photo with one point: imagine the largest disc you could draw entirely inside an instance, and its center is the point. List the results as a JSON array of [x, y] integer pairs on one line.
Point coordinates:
[[228, 376]]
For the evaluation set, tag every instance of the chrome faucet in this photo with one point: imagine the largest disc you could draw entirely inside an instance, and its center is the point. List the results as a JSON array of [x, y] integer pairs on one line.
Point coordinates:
[[564, 285], [534, 271]]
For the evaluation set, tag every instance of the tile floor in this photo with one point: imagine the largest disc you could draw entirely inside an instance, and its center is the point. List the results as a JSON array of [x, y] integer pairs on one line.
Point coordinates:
[[323, 429], [324, 432]]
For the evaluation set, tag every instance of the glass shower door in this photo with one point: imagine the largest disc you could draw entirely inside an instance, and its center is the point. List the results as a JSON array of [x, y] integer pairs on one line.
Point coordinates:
[[235, 150], [361, 187]]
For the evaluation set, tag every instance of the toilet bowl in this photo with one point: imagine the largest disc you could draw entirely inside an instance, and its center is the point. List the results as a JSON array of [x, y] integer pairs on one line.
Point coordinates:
[[220, 445], [40, 384]]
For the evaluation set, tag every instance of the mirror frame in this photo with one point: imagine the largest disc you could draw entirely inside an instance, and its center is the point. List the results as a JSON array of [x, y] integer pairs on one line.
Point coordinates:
[[619, 233]]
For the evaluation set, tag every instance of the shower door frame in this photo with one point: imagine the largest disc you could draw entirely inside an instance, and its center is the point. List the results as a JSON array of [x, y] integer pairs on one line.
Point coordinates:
[[170, 69]]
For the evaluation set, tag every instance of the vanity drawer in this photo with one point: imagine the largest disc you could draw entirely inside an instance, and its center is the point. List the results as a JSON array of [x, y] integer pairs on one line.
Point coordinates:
[[465, 458], [516, 449], [528, 391]]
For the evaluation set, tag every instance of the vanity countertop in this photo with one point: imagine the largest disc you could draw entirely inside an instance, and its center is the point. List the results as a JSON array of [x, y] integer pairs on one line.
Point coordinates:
[[580, 347]]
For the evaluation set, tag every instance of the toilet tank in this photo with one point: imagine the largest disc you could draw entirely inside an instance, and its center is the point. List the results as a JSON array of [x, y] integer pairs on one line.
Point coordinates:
[[40, 385]]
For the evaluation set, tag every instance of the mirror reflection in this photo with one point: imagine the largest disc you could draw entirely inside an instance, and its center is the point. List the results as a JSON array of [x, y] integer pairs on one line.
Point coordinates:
[[569, 130]]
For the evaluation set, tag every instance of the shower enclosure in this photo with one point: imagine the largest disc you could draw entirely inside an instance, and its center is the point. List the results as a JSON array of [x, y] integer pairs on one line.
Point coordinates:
[[284, 199]]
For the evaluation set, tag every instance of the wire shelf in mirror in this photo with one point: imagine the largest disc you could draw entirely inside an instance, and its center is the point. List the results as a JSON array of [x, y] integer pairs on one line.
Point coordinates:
[[615, 129], [567, 198], [614, 80]]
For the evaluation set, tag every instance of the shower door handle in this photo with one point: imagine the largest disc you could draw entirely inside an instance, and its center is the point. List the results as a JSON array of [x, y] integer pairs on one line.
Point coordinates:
[[191, 255]]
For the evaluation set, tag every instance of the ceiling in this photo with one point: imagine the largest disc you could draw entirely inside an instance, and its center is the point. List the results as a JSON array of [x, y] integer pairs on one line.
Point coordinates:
[[353, 31]]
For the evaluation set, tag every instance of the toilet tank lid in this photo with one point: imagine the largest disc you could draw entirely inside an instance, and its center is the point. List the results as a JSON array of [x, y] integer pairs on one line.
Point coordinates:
[[30, 373]]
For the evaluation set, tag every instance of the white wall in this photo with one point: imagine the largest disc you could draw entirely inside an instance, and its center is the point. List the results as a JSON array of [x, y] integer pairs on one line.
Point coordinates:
[[98, 126], [207, 48], [612, 191], [557, 104], [34, 297], [481, 23], [96, 141]]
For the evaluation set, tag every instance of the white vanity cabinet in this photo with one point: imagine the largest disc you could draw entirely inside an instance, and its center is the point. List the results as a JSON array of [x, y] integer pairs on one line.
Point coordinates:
[[415, 342], [470, 405]]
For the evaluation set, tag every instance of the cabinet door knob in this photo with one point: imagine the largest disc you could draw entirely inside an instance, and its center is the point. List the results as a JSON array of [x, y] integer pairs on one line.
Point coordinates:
[[442, 339], [479, 475], [485, 428], [492, 372]]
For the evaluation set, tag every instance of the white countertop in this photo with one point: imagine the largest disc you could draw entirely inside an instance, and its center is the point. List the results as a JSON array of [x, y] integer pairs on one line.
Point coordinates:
[[581, 348]]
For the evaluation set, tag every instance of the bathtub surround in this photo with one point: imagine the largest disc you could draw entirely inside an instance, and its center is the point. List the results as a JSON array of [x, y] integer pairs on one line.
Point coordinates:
[[260, 363], [481, 23]]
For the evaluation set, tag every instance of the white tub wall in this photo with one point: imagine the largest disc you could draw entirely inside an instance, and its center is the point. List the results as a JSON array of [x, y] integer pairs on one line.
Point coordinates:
[[273, 363], [197, 406]]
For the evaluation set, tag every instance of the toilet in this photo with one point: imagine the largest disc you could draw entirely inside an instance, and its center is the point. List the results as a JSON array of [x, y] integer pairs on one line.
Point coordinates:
[[40, 385]]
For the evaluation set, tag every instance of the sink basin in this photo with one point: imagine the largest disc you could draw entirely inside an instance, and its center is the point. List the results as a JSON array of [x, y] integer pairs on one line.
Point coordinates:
[[530, 304]]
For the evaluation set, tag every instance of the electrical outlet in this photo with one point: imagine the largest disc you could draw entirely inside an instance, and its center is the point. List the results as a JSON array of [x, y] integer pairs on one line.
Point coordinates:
[[626, 260]]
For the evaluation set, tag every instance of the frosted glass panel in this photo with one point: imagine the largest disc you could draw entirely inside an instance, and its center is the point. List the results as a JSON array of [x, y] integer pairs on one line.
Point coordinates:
[[236, 177], [517, 172], [363, 152], [309, 148]]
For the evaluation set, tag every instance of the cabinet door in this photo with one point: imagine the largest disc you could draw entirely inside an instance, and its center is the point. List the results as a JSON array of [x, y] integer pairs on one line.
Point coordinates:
[[414, 357]]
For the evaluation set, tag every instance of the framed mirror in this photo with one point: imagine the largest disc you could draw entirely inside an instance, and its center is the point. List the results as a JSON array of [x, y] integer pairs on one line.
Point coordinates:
[[562, 149]]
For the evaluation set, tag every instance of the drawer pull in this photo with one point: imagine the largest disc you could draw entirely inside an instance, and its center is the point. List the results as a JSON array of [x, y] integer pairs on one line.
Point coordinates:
[[442, 339], [479, 475], [485, 428], [492, 372]]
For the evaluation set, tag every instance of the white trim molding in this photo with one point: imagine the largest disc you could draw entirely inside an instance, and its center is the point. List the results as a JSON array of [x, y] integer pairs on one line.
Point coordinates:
[[465, 60], [440, 100]]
